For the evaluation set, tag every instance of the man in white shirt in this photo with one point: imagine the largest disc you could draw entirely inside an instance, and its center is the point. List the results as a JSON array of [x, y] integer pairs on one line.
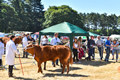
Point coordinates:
[[54, 41], [24, 43], [100, 43], [1, 51], [11, 49]]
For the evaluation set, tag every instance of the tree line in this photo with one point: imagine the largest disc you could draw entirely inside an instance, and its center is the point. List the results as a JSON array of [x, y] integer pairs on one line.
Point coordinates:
[[28, 15]]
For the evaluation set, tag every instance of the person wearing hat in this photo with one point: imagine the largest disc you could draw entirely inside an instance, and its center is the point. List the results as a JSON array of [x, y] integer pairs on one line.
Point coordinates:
[[1, 51], [90, 46], [11, 49], [107, 45], [115, 45]]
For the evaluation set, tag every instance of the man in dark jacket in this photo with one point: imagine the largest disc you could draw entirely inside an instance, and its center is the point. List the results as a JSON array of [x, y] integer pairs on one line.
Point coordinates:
[[90, 46]]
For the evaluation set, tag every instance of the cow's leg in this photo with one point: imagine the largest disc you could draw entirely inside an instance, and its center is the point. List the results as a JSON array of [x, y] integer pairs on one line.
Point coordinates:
[[40, 70], [63, 68], [67, 67], [39, 67], [61, 65], [54, 64], [44, 65]]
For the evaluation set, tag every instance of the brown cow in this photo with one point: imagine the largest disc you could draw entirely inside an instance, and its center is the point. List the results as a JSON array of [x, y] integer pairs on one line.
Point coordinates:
[[45, 53], [17, 40]]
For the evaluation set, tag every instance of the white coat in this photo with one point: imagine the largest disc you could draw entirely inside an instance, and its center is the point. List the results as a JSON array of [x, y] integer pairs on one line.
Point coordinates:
[[10, 52], [24, 41], [1, 49], [54, 41]]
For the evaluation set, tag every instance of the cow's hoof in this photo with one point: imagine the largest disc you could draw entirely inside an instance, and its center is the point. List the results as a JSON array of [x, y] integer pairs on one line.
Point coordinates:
[[44, 68], [61, 66], [67, 72]]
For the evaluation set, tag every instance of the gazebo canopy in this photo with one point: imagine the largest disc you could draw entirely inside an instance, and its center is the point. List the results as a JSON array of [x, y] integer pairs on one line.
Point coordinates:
[[64, 29], [92, 34]]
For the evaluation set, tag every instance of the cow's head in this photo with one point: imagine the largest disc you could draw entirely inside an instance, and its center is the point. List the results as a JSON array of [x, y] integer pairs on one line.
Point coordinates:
[[30, 49], [18, 40]]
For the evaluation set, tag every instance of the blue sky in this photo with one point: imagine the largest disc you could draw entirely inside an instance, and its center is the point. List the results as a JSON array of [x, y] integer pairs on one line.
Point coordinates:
[[87, 6]]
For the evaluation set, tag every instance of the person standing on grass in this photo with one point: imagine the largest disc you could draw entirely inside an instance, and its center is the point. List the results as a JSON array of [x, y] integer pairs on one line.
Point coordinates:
[[90, 46], [54, 41], [24, 44], [1, 51], [75, 50], [107, 45], [115, 45], [81, 52], [11, 49], [100, 43]]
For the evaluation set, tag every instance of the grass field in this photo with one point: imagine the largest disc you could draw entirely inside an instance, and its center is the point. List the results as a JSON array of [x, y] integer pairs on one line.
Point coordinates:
[[86, 70]]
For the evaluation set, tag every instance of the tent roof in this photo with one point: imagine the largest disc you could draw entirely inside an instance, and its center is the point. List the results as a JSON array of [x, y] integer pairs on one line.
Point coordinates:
[[65, 28], [36, 33], [92, 34]]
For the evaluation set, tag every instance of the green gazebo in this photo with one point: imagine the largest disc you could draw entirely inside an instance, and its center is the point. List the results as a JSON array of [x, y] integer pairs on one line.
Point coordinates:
[[64, 29]]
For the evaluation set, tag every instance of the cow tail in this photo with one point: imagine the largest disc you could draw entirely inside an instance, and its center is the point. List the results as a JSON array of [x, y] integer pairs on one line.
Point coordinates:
[[71, 59]]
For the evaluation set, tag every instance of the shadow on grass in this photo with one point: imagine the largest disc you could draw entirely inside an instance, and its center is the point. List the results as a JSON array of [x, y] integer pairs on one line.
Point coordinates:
[[94, 62], [60, 70], [69, 75], [21, 78]]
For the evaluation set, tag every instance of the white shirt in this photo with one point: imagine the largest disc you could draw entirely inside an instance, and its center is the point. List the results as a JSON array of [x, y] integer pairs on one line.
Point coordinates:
[[25, 41], [44, 41], [99, 42], [54, 41], [1, 49], [76, 45], [10, 52]]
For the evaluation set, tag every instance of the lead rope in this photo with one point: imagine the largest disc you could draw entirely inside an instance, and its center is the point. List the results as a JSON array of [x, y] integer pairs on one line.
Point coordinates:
[[21, 65]]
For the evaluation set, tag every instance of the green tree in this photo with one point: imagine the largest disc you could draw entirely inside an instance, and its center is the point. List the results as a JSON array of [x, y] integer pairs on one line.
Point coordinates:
[[7, 18], [55, 15], [94, 20]]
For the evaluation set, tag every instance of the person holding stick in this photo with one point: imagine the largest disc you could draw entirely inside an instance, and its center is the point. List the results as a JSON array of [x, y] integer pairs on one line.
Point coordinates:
[[11, 49]]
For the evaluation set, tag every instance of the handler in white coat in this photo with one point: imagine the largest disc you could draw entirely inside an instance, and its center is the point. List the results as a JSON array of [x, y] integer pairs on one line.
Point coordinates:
[[54, 41], [24, 44], [10, 54], [1, 51]]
